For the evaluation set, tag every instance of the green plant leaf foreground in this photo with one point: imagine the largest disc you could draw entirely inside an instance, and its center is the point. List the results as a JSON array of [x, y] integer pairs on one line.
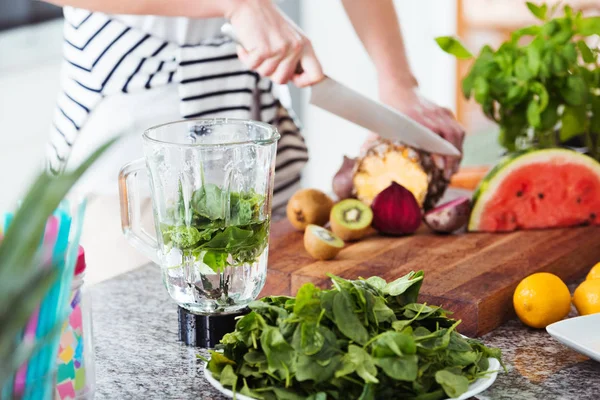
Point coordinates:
[[23, 283], [362, 339]]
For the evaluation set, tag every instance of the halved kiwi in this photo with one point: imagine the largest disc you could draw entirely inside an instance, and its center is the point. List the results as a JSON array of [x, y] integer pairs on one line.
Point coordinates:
[[321, 243], [351, 219]]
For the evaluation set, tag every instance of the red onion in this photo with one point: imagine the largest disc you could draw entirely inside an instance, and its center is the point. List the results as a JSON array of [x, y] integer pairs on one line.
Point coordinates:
[[396, 211], [342, 181], [449, 217]]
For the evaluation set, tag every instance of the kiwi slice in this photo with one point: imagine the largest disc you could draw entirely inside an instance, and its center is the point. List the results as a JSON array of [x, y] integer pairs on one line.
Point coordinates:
[[351, 219], [321, 243]]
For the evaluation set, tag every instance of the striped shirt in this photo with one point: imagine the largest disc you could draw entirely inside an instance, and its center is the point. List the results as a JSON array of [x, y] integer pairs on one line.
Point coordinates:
[[103, 56]]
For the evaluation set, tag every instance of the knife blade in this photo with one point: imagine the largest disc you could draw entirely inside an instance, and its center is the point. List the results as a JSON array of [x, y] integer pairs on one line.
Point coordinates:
[[386, 122], [335, 97]]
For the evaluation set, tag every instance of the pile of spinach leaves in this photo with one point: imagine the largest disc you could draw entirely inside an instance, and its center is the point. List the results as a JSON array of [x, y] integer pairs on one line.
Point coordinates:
[[363, 339], [220, 229]]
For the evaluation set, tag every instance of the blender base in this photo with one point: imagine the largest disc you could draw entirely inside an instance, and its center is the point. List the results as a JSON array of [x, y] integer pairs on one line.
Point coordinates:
[[205, 331]]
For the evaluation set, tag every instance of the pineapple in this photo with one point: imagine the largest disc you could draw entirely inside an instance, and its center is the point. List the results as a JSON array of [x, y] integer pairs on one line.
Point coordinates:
[[420, 172]]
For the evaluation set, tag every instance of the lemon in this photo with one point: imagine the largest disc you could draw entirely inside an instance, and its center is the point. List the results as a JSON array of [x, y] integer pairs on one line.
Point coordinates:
[[541, 299], [594, 272], [587, 297]]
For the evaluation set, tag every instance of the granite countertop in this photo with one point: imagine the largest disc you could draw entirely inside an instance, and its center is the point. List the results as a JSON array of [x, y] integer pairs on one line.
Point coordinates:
[[138, 355]]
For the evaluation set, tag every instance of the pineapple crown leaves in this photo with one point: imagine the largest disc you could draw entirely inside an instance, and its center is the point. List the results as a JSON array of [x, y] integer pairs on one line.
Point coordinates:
[[22, 283], [544, 79]]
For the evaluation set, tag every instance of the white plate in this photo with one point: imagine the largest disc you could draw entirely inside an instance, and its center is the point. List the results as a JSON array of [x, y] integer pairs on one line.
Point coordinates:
[[579, 333], [474, 388]]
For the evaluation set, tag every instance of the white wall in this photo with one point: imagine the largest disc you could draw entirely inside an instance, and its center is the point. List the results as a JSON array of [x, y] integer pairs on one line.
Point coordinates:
[[29, 71], [344, 59], [28, 85]]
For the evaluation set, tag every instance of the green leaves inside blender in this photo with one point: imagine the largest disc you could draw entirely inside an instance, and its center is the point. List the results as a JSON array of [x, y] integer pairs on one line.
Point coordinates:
[[218, 228]]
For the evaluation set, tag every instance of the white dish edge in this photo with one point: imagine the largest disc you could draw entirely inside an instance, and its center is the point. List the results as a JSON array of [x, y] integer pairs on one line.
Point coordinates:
[[476, 387]]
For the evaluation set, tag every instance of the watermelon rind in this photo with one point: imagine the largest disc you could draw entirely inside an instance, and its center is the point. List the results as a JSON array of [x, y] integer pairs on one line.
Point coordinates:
[[488, 186]]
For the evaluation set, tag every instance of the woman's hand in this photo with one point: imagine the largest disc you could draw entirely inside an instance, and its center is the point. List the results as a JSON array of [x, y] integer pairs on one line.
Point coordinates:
[[272, 45], [406, 99]]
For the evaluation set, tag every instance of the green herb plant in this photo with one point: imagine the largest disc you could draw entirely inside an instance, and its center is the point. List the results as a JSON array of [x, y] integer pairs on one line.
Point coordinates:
[[361, 339], [218, 228], [23, 284], [542, 86]]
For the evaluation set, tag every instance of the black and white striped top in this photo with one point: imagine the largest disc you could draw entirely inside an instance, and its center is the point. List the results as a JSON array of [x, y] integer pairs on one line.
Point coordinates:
[[103, 57]]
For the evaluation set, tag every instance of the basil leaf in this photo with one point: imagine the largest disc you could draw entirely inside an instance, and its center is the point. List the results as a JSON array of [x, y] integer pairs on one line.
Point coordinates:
[[453, 46], [574, 122], [533, 114], [542, 96], [482, 89], [534, 55], [595, 120], [585, 51], [589, 26], [575, 90], [538, 11]]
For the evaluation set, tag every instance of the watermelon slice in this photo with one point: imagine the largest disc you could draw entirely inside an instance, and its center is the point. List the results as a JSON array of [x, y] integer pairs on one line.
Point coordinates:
[[538, 189]]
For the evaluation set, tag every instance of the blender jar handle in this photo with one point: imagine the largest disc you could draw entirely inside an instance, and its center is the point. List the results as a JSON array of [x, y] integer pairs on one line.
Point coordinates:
[[131, 211]]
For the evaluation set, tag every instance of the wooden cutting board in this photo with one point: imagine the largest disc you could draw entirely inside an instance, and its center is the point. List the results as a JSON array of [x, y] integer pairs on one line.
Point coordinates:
[[474, 275]]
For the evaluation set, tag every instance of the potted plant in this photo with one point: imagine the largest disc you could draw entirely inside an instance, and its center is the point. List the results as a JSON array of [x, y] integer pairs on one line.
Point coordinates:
[[542, 86], [23, 283]]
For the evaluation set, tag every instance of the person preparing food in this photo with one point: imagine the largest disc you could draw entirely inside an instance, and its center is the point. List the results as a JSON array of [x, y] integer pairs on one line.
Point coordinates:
[[132, 65]]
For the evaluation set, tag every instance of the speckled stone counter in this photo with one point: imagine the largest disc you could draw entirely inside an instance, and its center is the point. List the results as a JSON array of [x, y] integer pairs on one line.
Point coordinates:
[[138, 355]]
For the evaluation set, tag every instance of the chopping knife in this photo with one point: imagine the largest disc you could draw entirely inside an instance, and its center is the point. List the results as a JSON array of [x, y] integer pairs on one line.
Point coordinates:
[[338, 99]]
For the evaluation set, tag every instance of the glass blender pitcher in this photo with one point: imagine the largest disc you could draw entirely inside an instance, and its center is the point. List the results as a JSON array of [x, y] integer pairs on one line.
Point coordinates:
[[211, 184]]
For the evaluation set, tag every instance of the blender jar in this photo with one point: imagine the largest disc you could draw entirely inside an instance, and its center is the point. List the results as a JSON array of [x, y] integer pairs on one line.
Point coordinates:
[[211, 184]]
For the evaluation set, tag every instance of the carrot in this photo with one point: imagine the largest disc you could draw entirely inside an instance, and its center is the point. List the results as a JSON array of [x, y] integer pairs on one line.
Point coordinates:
[[469, 177]]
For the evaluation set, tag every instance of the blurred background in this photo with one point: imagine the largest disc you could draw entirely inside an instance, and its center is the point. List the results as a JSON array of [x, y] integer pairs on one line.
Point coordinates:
[[30, 59]]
